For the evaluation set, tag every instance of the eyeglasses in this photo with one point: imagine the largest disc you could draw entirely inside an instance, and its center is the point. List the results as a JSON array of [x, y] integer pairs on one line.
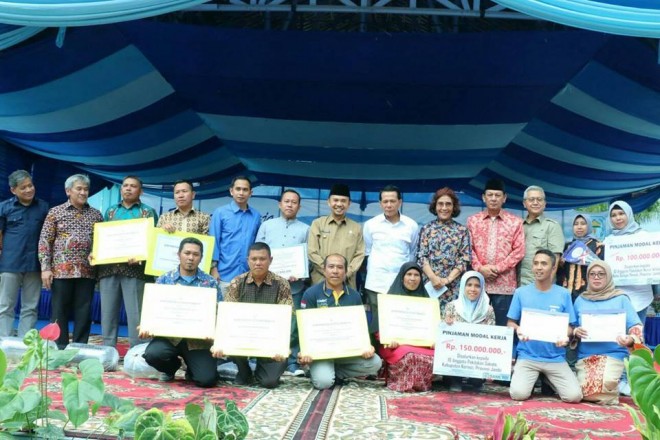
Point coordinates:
[[535, 199], [597, 275]]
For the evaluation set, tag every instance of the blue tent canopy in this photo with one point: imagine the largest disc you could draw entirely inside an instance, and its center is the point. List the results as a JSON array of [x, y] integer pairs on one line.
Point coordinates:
[[640, 18], [576, 112]]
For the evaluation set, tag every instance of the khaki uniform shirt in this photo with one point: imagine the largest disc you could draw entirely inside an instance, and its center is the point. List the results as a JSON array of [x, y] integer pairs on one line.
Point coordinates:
[[540, 233], [327, 236]]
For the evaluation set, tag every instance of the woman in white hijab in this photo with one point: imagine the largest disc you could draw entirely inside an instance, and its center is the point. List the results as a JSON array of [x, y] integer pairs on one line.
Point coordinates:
[[622, 223], [473, 307]]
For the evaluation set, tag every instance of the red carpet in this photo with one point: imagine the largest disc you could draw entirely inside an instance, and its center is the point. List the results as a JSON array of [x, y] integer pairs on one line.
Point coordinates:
[[362, 410], [474, 413], [174, 396]]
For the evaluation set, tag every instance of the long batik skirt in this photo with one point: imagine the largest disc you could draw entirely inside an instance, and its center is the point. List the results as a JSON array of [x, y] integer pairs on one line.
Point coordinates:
[[412, 373], [599, 378]]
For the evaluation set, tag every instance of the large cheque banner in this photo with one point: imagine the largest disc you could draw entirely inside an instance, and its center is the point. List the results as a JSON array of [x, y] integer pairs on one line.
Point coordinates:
[[635, 258], [474, 350]]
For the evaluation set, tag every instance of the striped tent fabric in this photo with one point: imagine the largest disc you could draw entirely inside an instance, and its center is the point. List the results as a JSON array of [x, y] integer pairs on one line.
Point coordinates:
[[65, 13], [638, 18], [574, 111]]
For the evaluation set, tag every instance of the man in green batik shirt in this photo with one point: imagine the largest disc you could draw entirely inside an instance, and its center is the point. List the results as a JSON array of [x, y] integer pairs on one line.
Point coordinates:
[[124, 279]]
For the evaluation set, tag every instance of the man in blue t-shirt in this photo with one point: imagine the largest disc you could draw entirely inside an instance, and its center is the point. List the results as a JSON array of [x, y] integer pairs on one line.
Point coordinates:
[[535, 357]]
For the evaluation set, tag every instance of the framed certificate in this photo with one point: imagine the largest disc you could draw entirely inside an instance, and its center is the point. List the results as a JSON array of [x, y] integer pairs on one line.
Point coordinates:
[[543, 325], [163, 250], [333, 332], [179, 311], [408, 320], [119, 241], [290, 261], [259, 330], [603, 325], [474, 350]]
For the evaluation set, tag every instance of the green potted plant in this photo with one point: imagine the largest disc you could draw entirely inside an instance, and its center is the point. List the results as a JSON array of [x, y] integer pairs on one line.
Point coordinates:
[[27, 409], [643, 369], [209, 422]]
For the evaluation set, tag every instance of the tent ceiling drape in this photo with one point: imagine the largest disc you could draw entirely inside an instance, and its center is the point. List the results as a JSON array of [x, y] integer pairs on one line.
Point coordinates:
[[67, 13], [637, 18], [574, 111]]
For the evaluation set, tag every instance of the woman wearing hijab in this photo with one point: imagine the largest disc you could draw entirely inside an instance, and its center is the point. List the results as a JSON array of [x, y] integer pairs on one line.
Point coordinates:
[[473, 307], [573, 276], [600, 364], [622, 223], [408, 368]]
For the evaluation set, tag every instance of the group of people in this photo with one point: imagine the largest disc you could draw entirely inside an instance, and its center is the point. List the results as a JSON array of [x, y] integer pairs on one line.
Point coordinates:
[[484, 272]]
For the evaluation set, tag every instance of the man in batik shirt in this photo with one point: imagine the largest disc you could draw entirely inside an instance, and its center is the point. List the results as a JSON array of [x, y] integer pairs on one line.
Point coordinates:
[[498, 245], [64, 247], [124, 281]]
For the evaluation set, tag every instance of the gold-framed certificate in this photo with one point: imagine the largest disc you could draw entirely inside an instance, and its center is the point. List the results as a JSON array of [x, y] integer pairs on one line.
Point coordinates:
[[544, 325], [408, 320], [333, 332], [258, 330], [179, 311], [290, 261], [121, 240], [163, 250]]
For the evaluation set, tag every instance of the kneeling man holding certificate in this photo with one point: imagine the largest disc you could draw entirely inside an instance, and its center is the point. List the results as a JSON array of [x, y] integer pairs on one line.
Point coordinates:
[[163, 353], [334, 292], [259, 286], [544, 311]]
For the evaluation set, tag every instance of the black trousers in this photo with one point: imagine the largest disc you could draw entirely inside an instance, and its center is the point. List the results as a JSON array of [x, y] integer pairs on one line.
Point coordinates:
[[164, 356], [67, 295], [501, 304], [267, 373]]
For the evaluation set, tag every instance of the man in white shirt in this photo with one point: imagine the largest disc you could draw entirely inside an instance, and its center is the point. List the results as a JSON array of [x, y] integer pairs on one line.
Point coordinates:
[[390, 240]]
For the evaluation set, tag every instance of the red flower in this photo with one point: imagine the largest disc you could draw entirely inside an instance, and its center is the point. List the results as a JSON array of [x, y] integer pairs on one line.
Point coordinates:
[[50, 332]]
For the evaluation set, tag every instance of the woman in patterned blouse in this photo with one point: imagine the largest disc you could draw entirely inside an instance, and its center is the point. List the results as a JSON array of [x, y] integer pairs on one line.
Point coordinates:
[[444, 246]]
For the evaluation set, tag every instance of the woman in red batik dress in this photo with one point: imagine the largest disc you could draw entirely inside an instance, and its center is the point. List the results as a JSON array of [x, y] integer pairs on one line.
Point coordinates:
[[408, 368]]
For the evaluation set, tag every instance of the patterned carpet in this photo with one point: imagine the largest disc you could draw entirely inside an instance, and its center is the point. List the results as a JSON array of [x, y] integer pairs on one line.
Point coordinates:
[[367, 410]]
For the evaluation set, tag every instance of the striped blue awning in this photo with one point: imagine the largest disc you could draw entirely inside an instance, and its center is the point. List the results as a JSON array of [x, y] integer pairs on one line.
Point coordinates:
[[638, 18], [574, 111]]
